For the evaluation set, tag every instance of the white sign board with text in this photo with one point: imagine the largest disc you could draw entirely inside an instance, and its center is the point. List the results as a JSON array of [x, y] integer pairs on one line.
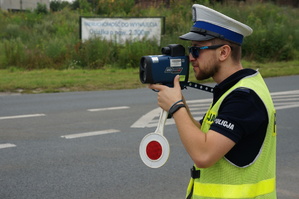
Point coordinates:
[[121, 30]]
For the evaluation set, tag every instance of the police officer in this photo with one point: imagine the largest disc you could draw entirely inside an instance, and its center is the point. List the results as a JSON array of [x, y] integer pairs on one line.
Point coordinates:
[[234, 146]]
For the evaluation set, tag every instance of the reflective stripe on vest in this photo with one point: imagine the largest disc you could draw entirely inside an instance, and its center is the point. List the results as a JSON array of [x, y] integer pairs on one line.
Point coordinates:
[[234, 191]]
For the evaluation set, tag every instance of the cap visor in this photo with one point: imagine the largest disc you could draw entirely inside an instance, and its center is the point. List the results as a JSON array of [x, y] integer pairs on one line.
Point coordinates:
[[192, 36]]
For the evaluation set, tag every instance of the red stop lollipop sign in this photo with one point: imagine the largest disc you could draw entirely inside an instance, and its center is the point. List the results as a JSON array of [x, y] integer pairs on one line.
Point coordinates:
[[154, 147], [154, 150]]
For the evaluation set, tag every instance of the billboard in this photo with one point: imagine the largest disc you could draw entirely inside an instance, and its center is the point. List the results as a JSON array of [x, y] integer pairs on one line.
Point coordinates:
[[122, 30]]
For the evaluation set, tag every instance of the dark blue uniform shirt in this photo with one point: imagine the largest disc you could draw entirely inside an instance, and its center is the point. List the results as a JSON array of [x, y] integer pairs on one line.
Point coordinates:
[[243, 109]]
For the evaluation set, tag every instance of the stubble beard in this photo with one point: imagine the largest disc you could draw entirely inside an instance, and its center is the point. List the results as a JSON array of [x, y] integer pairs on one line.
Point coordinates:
[[206, 72]]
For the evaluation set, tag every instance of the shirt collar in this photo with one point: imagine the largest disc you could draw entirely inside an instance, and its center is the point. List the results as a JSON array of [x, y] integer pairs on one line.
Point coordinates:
[[226, 84]]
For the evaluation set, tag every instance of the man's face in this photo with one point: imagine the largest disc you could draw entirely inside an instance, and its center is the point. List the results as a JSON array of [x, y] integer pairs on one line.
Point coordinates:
[[205, 65]]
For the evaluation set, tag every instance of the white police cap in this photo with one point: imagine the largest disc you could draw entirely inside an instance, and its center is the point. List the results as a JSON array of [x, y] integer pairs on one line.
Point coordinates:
[[209, 24]]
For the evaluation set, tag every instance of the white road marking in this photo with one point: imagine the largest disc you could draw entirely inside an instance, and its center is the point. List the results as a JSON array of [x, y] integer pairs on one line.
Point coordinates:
[[285, 96], [21, 116], [286, 99], [94, 133], [200, 102], [282, 100], [145, 119], [7, 145], [286, 92], [287, 106], [109, 108], [151, 118]]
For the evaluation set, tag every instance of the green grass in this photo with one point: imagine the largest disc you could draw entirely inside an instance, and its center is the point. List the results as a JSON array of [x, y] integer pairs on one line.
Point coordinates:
[[50, 80], [275, 69]]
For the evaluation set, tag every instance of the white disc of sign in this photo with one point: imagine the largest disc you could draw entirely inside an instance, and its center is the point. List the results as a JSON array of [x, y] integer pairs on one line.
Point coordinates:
[[154, 150]]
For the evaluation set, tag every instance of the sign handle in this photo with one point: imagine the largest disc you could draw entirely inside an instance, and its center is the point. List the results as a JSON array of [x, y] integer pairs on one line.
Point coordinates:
[[162, 121]]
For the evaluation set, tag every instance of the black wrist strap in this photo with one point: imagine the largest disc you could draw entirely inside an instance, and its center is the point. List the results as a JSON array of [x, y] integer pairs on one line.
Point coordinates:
[[175, 108]]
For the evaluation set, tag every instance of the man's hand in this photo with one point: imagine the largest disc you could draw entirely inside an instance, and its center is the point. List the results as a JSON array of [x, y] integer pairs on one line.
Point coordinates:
[[168, 96]]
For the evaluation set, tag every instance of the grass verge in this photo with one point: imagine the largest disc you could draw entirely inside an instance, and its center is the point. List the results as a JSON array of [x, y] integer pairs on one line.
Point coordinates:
[[50, 80], [14, 80]]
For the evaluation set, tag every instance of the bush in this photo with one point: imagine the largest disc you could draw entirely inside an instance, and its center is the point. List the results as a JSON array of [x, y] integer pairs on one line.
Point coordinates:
[[58, 5], [41, 9], [39, 40], [129, 55], [14, 51], [114, 8], [273, 38], [94, 54]]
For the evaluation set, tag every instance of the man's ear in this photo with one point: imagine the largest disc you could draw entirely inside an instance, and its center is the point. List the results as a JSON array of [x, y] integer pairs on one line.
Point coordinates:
[[224, 52]]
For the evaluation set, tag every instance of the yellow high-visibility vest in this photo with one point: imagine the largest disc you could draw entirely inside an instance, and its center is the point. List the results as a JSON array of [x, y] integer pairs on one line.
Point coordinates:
[[225, 180]]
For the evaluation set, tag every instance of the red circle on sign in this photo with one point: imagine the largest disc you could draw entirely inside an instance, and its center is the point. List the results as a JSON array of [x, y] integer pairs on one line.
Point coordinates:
[[154, 150]]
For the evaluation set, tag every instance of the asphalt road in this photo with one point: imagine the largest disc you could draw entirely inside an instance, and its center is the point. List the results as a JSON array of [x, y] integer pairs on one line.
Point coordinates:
[[84, 145]]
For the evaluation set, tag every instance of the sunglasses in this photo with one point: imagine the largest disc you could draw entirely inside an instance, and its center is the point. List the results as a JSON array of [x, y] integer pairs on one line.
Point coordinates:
[[194, 50]]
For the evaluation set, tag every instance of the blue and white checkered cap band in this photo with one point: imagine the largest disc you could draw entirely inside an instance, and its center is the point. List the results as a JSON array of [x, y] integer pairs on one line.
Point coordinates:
[[225, 33]]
